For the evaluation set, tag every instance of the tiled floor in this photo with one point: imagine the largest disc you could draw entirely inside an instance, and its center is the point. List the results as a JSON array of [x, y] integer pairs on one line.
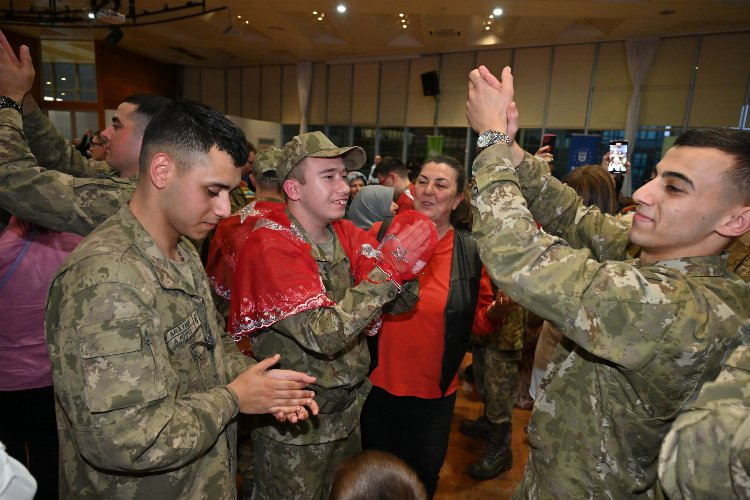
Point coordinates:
[[455, 483]]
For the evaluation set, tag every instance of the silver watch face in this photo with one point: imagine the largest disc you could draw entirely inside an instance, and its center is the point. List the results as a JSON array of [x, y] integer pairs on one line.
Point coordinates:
[[487, 138]]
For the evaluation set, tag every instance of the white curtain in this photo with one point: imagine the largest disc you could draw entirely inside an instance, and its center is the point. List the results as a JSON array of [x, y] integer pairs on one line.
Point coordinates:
[[640, 53], [304, 84]]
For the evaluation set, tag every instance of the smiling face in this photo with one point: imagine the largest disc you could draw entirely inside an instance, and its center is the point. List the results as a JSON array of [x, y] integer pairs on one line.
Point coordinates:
[[322, 198], [684, 210], [197, 198], [355, 186], [436, 193]]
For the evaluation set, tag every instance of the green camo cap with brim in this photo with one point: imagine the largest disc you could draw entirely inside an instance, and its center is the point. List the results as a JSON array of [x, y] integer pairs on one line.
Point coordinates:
[[317, 145], [266, 163]]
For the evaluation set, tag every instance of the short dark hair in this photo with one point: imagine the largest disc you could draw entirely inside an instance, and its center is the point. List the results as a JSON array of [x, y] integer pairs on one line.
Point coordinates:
[[390, 164], [146, 107], [188, 130], [250, 147], [733, 142]]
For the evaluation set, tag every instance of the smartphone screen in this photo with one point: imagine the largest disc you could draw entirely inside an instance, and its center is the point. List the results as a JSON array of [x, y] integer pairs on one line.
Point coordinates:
[[618, 156], [549, 140]]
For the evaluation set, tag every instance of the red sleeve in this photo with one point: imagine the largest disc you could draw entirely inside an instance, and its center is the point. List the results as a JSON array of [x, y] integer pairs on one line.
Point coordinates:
[[482, 324]]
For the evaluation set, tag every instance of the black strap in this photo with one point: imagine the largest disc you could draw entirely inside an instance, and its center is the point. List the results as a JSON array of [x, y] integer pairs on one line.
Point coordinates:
[[384, 227]]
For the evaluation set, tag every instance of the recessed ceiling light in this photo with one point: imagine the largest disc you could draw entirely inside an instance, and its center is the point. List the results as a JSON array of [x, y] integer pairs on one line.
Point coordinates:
[[400, 14], [497, 11], [315, 13], [341, 8], [239, 17], [247, 22], [403, 26]]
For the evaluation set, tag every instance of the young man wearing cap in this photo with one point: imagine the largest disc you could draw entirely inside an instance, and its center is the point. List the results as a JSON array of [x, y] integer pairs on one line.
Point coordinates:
[[306, 288]]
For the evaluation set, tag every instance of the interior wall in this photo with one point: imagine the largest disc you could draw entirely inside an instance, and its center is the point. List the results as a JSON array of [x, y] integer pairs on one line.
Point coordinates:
[[701, 80]]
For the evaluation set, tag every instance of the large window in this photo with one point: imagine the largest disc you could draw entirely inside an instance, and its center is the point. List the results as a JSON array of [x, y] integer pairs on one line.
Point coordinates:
[[68, 71]]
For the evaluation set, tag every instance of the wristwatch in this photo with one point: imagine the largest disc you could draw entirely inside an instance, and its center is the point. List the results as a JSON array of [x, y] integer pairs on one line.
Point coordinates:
[[490, 137], [7, 102]]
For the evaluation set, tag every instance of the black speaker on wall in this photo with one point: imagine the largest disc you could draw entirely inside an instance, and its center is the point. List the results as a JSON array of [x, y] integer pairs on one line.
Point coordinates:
[[430, 83]]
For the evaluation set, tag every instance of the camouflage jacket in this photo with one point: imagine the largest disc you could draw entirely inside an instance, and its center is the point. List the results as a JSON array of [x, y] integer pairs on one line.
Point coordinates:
[[140, 366], [641, 339], [76, 196], [328, 343], [707, 451], [738, 261]]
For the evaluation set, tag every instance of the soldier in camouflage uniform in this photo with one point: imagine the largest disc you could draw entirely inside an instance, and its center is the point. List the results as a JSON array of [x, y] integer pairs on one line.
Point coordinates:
[[495, 363], [43, 178], [641, 336], [147, 387], [719, 421], [316, 324]]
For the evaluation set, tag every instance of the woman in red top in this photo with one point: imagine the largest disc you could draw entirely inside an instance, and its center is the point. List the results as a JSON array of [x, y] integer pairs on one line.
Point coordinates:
[[409, 410]]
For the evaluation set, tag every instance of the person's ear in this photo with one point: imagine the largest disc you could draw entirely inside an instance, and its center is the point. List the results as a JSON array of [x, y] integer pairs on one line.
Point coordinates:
[[160, 169], [291, 188], [458, 201], [737, 223]]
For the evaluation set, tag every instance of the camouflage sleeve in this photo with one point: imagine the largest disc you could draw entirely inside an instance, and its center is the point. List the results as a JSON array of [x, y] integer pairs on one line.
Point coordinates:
[[328, 330], [50, 198], [236, 362], [53, 152], [560, 211], [115, 382], [405, 300], [719, 421], [602, 307]]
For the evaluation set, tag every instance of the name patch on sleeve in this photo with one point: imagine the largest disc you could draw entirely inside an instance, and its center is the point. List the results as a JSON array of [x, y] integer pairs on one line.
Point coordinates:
[[183, 332]]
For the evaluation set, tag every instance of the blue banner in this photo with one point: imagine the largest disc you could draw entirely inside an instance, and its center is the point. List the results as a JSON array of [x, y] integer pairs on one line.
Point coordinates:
[[582, 150]]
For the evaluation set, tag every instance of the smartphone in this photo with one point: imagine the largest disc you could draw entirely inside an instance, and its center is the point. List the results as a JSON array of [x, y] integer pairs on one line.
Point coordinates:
[[549, 140], [618, 156]]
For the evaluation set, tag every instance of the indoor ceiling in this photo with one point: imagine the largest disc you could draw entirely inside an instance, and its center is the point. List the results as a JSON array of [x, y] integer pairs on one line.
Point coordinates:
[[252, 32]]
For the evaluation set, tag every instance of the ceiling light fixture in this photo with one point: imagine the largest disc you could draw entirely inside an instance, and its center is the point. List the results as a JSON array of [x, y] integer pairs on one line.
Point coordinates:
[[341, 8], [497, 11]]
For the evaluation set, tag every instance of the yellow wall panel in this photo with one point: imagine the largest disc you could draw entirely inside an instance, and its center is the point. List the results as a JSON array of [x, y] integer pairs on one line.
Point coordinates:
[[569, 92], [365, 88]]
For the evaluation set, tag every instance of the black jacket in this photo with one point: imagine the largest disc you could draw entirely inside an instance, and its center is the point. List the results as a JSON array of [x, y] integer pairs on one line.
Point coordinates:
[[463, 292]]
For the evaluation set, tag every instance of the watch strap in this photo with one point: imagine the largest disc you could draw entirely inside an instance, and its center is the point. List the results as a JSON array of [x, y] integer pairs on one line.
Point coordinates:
[[7, 102]]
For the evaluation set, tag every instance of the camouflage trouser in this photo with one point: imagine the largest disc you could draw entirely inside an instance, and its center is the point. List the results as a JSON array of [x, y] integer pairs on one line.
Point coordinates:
[[299, 471], [496, 376]]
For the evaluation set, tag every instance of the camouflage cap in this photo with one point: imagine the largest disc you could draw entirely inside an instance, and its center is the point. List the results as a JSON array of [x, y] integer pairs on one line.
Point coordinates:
[[317, 145], [266, 163]]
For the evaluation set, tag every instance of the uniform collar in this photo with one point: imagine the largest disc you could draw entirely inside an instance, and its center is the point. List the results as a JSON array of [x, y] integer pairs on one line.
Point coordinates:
[[169, 277]]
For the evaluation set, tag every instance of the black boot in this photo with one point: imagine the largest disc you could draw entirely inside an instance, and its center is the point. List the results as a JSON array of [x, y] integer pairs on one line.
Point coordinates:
[[477, 429], [498, 456]]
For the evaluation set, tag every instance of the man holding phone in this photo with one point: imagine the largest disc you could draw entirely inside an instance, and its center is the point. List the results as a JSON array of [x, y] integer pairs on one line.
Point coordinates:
[[641, 336]]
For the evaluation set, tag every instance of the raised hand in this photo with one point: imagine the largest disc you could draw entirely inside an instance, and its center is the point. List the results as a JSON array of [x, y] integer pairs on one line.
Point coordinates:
[[488, 100], [407, 248], [16, 73]]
